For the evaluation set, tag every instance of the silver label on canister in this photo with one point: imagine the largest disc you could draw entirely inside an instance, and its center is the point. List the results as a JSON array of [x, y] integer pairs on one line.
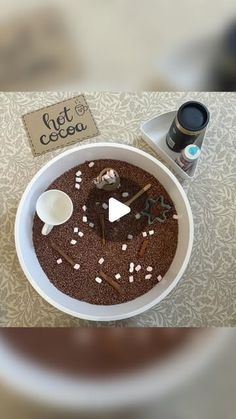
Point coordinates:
[[169, 141]]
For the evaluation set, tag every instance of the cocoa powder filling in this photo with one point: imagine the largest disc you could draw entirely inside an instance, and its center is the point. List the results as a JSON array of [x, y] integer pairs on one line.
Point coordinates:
[[80, 284], [97, 351]]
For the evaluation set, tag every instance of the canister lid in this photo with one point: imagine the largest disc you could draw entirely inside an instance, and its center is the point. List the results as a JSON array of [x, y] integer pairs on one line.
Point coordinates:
[[193, 116], [191, 152]]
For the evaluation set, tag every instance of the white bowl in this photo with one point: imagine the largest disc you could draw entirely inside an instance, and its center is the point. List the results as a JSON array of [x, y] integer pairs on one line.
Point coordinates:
[[152, 383], [24, 220]]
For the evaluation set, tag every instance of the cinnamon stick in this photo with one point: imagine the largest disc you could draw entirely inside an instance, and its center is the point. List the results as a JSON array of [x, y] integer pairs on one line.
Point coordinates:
[[102, 222], [63, 254], [112, 282], [138, 194], [143, 248]]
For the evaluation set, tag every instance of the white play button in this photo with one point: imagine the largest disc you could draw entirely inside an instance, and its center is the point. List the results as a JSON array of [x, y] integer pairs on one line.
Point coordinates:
[[117, 210]]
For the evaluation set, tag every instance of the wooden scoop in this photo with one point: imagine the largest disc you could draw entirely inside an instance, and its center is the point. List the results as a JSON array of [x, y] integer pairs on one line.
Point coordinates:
[[138, 194]]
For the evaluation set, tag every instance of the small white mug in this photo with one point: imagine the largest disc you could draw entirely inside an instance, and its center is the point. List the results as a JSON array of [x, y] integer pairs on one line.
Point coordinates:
[[53, 207]]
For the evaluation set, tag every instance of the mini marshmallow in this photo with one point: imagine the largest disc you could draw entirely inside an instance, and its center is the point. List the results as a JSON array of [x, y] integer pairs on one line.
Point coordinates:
[[84, 219], [76, 266], [117, 276], [131, 279], [149, 269], [109, 176], [138, 267], [148, 276], [175, 216], [78, 179], [101, 260], [80, 234], [129, 236], [137, 216], [91, 225], [124, 246], [59, 261], [78, 173], [151, 232], [125, 194], [159, 278], [77, 186], [97, 203], [84, 208], [91, 164], [131, 267], [112, 173], [104, 205], [73, 242], [144, 234], [98, 280], [76, 229]]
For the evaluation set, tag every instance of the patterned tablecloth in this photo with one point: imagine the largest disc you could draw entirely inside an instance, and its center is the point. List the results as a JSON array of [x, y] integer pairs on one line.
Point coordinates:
[[206, 294]]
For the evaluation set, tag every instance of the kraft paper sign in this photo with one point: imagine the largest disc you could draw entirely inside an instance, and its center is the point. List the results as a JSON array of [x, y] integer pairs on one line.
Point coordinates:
[[60, 125]]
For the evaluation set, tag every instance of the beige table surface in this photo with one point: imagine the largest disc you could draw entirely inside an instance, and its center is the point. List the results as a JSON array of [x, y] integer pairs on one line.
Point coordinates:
[[206, 294]]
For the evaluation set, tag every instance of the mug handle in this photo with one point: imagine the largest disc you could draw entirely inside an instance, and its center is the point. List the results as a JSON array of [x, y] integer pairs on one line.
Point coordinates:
[[46, 229]]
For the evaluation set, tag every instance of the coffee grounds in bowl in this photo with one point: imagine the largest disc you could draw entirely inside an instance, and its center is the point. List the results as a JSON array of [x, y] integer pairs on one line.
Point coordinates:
[[120, 259]]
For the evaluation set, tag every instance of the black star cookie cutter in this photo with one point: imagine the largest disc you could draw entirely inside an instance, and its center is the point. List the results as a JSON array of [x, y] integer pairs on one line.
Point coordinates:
[[147, 212]]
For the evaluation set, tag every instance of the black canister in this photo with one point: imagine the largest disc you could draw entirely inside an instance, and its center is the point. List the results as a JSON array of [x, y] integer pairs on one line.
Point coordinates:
[[190, 121], [223, 67]]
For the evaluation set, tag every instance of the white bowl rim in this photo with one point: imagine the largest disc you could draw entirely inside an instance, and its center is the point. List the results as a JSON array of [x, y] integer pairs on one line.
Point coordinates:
[[160, 379], [138, 310]]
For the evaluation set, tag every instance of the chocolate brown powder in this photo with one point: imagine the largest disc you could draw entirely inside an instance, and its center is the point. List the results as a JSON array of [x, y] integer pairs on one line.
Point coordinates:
[[98, 352], [81, 284]]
